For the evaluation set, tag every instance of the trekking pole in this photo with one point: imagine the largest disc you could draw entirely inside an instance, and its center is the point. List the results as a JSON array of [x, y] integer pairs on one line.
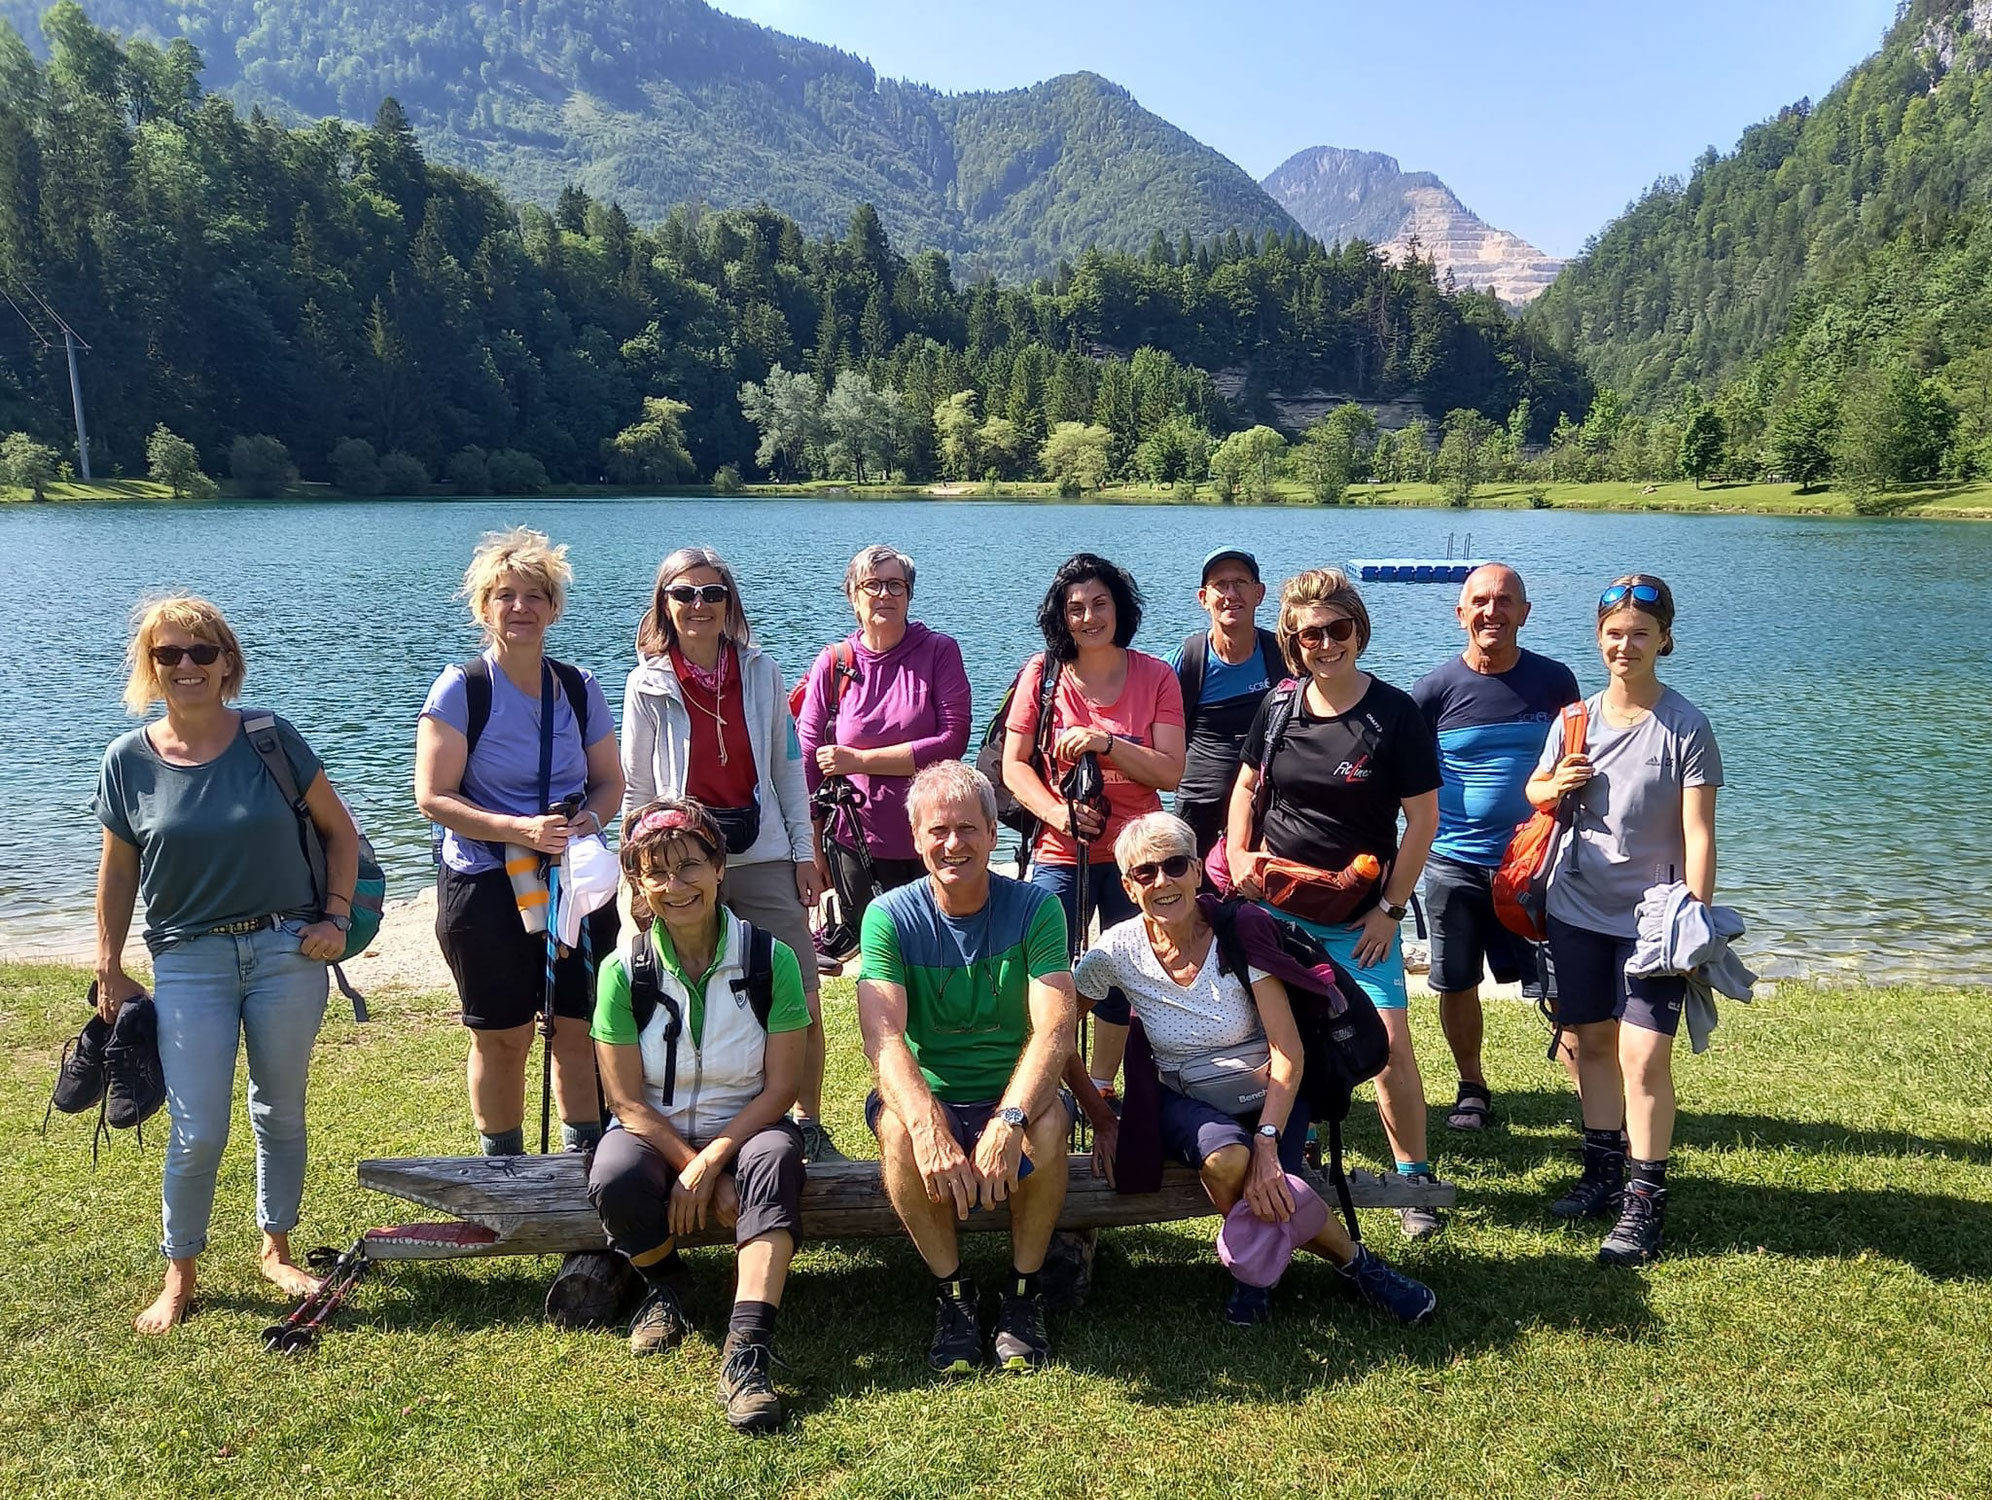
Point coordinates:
[[546, 1008], [343, 1270], [1082, 1132]]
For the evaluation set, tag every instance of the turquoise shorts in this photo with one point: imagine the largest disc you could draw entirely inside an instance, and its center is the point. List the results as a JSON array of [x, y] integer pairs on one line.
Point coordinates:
[[1383, 981]]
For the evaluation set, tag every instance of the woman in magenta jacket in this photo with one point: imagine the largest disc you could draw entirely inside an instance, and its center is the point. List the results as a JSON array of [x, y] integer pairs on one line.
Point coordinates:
[[880, 704]]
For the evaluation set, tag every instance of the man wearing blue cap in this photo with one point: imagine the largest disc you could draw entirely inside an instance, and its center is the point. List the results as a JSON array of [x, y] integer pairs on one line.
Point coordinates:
[[1225, 672]]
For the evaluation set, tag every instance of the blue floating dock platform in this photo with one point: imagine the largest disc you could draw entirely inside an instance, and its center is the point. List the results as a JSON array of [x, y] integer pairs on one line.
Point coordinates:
[[1413, 569]]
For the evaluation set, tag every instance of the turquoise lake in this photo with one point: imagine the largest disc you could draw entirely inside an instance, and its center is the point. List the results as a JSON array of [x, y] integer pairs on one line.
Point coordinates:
[[1841, 662]]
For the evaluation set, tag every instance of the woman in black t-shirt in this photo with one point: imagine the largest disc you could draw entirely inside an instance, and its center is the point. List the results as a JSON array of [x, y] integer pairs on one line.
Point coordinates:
[[1355, 755]]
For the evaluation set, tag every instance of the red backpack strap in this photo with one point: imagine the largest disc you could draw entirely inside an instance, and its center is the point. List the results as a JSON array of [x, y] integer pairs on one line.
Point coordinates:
[[843, 667], [1576, 725]]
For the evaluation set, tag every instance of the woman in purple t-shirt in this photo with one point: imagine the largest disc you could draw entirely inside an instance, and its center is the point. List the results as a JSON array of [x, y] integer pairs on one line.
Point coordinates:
[[880, 704]]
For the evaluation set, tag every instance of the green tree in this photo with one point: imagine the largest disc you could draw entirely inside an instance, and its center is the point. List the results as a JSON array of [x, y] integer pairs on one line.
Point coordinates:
[[652, 451], [1003, 447], [955, 436], [1248, 462], [1894, 428], [515, 473], [1076, 456], [1460, 462], [1322, 462], [27, 464], [403, 474], [1802, 438], [261, 466], [1177, 450], [867, 426], [1702, 444], [787, 408], [355, 468], [171, 460]]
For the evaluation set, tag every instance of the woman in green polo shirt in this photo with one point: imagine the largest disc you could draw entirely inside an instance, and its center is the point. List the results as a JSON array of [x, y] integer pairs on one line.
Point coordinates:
[[699, 1028]]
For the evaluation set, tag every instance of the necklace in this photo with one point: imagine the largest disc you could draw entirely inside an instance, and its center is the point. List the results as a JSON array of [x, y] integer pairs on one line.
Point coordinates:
[[691, 675]]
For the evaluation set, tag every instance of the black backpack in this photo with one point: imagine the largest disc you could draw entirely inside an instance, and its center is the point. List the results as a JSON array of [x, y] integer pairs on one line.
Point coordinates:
[[646, 991], [1194, 660], [477, 697], [989, 758]]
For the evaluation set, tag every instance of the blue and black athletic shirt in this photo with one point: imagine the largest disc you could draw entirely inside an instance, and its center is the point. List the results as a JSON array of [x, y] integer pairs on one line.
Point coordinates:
[[1223, 713], [1490, 729]]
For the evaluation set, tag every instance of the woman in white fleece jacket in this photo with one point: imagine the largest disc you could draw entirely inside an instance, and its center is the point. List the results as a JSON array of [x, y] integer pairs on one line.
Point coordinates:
[[706, 716]]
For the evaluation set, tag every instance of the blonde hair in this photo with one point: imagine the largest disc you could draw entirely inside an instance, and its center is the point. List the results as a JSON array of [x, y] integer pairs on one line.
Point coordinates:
[[655, 634], [949, 781], [199, 619], [1157, 834], [1325, 586], [524, 553]]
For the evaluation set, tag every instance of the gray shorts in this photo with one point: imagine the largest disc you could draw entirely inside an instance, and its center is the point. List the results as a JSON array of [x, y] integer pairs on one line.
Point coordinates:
[[1459, 909], [764, 893]]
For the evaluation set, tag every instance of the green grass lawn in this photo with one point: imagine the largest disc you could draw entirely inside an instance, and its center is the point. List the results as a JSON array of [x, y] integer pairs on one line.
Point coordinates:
[[1822, 1327]]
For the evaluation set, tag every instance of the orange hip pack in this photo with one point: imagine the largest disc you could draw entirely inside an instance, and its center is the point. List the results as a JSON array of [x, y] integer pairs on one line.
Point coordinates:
[[1521, 884], [1324, 896]]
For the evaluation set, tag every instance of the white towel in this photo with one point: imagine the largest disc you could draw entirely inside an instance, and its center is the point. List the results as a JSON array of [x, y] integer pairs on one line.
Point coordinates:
[[588, 877]]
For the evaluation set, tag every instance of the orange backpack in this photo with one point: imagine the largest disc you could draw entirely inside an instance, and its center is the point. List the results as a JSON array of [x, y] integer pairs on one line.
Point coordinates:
[[1521, 884]]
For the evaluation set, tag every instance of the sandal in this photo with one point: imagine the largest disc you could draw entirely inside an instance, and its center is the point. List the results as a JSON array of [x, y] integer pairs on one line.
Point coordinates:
[[1473, 1109]]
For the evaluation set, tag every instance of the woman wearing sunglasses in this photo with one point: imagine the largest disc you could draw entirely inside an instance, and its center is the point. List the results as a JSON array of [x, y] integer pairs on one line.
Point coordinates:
[[1644, 789], [706, 716], [196, 827], [482, 783], [889, 698], [1355, 756], [1165, 961]]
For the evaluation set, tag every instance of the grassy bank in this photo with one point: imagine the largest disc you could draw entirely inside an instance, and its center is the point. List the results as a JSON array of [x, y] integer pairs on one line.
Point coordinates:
[[1819, 1330]]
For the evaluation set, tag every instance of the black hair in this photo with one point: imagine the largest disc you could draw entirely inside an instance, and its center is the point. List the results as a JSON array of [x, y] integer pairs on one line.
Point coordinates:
[[1085, 567]]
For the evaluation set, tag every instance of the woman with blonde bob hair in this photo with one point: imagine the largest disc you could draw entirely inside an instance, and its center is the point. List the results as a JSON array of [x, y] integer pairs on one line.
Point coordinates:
[[486, 729], [1354, 755], [706, 716], [196, 828]]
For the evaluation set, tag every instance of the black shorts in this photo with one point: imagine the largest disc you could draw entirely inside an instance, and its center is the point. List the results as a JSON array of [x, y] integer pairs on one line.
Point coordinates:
[[893, 873], [1591, 983], [630, 1183], [500, 968], [1467, 938]]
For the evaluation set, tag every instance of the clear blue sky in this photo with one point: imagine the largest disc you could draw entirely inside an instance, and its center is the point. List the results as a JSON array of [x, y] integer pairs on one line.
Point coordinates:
[[1546, 116]]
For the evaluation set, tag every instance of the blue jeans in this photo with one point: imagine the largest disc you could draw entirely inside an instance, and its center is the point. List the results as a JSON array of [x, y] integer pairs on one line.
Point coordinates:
[[1104, 894], [212, 993]]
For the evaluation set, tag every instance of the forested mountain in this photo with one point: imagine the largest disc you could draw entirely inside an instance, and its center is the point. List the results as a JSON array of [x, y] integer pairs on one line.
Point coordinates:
[[1833, 272], [238, 279], [651, 103], [1337, 194]]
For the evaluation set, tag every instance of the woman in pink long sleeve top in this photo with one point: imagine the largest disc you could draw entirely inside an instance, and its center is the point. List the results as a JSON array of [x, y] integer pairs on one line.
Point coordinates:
[[901, 701]]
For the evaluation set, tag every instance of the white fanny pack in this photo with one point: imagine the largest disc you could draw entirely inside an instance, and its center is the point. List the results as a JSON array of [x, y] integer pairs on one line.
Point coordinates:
[[1232, 1079]]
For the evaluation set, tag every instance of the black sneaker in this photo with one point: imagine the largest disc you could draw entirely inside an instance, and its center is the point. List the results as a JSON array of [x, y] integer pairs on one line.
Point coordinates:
[[1021, 1342], [816, 1143], [1382, 1286], [957, 1346], [1248, 1306], [135, 1084], [1417, 1221], [660, 1323], [747, 1387], [1635, 1239], [81, 1076]]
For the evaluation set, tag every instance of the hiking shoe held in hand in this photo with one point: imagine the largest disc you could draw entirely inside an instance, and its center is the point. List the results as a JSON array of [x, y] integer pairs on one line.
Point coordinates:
[[1248, 1306], [135, 1085], [1635, 1239], [81, 1076], [1021, 1342], [1403, 1297], [816, 1143], [1417, 1221], [957, 1345], [747, 1387], [660, 1323]]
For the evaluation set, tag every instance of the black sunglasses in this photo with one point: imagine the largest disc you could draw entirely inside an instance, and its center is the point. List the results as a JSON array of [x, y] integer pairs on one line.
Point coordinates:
[[1175, 867], [1311, 636], [203, 654], [1642, 593], [699, 593]]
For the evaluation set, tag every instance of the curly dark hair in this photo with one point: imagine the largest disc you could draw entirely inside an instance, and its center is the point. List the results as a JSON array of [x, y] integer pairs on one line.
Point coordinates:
[[1085, 567]]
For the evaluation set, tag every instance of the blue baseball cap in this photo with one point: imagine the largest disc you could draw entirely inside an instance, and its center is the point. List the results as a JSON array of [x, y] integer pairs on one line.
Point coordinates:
[[1229, 554]]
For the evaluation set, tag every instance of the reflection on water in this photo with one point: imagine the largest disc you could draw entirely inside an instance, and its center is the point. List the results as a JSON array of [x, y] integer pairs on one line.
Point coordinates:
[[1840, 661]]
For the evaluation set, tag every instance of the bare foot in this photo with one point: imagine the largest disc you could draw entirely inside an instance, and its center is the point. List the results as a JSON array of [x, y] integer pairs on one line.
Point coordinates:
[[170, 1306], [284, 1273]]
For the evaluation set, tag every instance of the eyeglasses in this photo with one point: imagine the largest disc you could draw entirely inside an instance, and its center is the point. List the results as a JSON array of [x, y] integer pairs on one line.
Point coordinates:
[[883, 588], [699, 593], [1312, 637], [203, 654], [1175, 867], [692, 867], [1618, 593]]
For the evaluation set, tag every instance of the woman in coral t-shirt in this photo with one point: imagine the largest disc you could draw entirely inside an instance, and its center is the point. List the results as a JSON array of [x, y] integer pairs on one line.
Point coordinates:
[[1123, 706]]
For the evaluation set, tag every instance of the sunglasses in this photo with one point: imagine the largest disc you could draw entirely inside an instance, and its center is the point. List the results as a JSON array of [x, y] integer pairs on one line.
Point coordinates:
[[699, 593], [1313, 637], [203, 655], [1175, 867], [883, 588], [1618, 593]]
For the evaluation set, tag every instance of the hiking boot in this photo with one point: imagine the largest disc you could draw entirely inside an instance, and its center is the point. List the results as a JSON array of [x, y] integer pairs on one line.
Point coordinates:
[[746, 1387], [135, 1086], [660, 1323], [1417, 1221], [816, 1143], [957, 1345], [81, 1077], [1248, 1306], [1595, 1195], [1635, 1239], [1021, 1342], [1389, 1290]]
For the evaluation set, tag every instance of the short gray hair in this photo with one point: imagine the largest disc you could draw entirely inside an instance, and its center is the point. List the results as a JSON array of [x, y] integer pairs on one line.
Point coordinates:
[[869, 561], [949, 781], [1155, 835]]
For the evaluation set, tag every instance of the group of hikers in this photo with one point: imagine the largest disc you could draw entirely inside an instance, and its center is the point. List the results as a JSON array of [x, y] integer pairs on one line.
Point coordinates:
[[1307, 792]]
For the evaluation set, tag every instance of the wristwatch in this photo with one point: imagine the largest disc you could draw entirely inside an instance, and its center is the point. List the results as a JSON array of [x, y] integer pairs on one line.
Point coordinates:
[[1270, 1132], [342, 922], [1013, 1117], [1395, 913]]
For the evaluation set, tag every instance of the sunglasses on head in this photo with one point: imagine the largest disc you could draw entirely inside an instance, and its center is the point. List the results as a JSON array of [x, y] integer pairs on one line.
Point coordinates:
[[1312, 637], [698, 593], [203, 654], [1618, 593], [1175, 867]]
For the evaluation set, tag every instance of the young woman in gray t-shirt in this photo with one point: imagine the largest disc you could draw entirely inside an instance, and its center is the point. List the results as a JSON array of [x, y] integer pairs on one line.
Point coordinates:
[[1643, 788]]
